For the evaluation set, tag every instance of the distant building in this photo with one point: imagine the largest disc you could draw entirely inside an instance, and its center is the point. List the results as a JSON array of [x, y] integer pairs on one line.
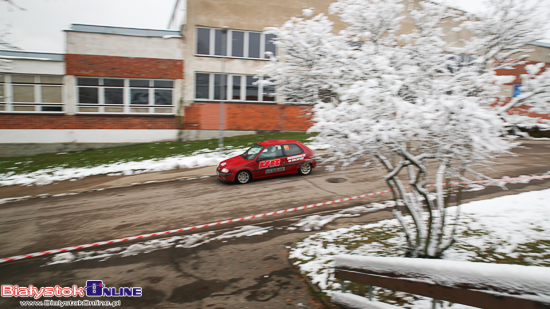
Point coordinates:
[[117, 86], [113, 86]]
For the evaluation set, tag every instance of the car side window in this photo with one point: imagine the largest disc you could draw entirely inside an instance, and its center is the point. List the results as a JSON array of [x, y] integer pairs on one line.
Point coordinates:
[[292, 149], [271, 152]]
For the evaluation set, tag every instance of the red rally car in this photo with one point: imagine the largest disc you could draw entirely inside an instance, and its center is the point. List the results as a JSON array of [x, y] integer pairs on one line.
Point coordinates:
[[267, 159]]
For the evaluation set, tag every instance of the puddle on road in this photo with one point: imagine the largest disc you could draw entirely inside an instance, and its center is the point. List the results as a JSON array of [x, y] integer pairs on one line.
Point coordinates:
[[336, 180]]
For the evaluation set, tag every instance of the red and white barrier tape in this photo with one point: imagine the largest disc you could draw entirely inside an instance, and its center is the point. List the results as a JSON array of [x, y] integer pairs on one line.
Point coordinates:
[[493, 180], [66, 249]]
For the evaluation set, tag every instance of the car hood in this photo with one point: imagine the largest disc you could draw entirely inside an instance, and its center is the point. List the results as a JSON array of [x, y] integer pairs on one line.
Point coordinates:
[[233, 162]]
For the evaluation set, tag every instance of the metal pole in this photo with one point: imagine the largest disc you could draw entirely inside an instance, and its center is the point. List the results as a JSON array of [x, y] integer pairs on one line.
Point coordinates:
[[224, 82]]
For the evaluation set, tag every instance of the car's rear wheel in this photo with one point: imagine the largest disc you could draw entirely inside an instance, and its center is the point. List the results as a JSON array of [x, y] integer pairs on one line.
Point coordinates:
[[305, 168], [243, 177]]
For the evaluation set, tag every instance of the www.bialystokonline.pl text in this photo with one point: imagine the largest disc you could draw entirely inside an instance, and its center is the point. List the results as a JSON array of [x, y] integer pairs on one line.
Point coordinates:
[[70, 303]]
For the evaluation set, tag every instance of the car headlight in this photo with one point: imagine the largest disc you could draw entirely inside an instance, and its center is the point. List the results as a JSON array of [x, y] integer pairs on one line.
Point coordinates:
[[225, 170]]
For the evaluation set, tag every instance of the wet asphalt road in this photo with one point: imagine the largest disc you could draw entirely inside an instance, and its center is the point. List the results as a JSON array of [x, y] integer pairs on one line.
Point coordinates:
[[245, 272]]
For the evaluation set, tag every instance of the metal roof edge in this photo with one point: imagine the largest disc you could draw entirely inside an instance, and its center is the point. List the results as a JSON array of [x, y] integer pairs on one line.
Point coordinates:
[[124, 31], [541, 43], [17, 54]]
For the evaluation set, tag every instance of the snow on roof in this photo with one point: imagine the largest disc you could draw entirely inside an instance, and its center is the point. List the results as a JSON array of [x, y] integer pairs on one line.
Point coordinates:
[[528, 282], [541, 43], [124, 31], [17, 54]]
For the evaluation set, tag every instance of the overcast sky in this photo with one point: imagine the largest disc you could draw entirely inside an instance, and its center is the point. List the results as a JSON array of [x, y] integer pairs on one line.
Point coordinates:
[[40, 26]]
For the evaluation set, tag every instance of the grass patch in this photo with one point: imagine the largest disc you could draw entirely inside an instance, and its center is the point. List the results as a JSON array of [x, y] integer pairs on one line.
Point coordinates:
[[376, 237], [140, 152], [534, 253]]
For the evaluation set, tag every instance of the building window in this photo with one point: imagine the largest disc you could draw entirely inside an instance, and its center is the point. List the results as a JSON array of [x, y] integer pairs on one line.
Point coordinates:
[[163, 96], [455, 62], [203, 41], [202, 84], [220, 84], [114, 91], [252, 88], [218, 43], [239, 44], [270, 45], [231, 87], [254, 40], [31, 93], [88, 94], [236, 87], [118, 95], [268, 93], [2, 93]]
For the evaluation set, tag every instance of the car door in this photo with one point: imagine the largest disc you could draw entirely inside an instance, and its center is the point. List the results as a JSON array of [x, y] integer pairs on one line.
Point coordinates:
[[293, 157], [270, 162]]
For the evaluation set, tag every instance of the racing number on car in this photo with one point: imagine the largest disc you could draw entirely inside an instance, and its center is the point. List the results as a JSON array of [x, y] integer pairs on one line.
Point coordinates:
[[268, 163]]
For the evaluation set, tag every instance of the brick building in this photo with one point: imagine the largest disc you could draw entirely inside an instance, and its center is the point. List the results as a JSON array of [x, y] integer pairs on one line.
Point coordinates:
[[118, 85], [113, 86]]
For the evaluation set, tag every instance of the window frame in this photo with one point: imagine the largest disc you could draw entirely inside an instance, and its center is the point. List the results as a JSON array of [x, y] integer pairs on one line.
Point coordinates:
[[127, 107], [229, 89], [37, 104], [259, 157], [460, 61], [229, 44], [289, 155]]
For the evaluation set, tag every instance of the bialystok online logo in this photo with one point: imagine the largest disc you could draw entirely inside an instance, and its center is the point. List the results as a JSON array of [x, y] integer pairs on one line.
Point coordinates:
[[93, 288]]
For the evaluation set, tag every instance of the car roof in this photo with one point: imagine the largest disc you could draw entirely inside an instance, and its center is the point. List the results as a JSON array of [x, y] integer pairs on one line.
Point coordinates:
[[277, 142]]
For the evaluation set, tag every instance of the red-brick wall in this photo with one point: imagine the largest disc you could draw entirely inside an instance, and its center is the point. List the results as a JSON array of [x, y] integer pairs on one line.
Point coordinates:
[[517, 71], [247, 117], [14, 121], [129, 67], [198, 116], [522, 110]]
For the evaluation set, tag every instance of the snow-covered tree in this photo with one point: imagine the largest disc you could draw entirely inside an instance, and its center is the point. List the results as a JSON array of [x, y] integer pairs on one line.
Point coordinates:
[[409, 100], [501, 39]]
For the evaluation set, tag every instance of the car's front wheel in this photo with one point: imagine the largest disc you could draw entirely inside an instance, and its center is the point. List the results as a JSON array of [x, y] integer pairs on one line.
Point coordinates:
[[305, 168], [243, 177]]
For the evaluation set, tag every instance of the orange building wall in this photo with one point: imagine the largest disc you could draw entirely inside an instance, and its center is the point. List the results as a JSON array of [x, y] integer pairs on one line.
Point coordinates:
[[247, 117]]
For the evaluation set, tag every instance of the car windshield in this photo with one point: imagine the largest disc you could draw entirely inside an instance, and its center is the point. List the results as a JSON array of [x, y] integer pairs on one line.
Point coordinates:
[[251, 153]]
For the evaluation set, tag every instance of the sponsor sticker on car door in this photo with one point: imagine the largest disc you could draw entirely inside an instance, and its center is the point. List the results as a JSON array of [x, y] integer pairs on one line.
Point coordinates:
[[271, 161], [296, 158]]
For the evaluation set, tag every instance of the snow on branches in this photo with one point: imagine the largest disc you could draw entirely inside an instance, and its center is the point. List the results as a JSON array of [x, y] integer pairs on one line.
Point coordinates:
[[404, 99]]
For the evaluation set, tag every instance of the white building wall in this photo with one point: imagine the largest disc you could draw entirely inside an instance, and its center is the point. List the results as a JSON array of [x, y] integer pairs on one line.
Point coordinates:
[[106, 136], [85, 136], [86, 43], [69, 94], [179, 15], [35, 67]]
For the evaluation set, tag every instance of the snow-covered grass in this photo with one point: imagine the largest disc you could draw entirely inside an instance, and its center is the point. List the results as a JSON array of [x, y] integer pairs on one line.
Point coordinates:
[[129, 160], [46, 176], [511, 229]]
